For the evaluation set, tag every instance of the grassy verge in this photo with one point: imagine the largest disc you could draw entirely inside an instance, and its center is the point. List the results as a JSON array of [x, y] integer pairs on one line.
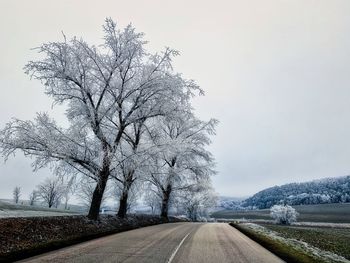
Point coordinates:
[[25, 237], [286, 252], [336, 240]]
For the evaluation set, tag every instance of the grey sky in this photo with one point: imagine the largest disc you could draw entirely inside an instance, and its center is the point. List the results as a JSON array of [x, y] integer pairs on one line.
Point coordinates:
[[276, 75]]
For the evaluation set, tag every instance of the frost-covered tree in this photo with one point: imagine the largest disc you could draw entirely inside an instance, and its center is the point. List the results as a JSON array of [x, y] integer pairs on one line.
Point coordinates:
[[127, 203], [69, 189], [106, 89], [152, 199], [51, 191], [283, 214], [182, 161], [33, 197], [133, 153], [16, 194], [197, 201], [328, 190]]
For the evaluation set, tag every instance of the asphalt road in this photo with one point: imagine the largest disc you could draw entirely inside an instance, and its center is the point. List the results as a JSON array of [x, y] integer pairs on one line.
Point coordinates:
[[175, 242]]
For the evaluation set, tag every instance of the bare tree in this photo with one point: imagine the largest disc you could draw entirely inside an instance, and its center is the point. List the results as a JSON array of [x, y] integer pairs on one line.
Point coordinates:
[[127, 203], [106, 90], [69, 189], [197, 201], [152, 199], [51, 191], [182, 161], [33, 197], [16, 194]]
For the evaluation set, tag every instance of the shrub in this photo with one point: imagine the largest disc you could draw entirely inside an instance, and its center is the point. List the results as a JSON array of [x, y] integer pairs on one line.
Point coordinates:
[[283, 214]]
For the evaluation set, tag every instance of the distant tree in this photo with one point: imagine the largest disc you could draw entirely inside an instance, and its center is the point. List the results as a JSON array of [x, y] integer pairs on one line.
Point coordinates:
[[283, 214], [33, 197], [69, 189], [153, 200], [328, 190], [197, 201], [183, 160], [16, 194], [51, 191]]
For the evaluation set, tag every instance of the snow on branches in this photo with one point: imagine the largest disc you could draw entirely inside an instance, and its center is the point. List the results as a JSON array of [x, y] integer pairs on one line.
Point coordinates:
[[115, 94], [283, 214]]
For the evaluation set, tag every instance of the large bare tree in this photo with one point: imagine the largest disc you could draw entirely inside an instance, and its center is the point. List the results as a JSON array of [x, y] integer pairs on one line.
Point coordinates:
[[106, 89]]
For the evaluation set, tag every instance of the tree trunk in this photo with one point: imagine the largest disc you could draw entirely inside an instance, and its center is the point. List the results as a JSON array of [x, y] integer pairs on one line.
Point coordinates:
[[165, 203], [123, 201], [98, 194], [123, 205], [66, 202]]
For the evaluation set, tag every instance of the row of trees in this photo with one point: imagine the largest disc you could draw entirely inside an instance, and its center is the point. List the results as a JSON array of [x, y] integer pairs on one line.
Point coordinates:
[[51, 192], [55, 191], [328, 190], [130, 120]]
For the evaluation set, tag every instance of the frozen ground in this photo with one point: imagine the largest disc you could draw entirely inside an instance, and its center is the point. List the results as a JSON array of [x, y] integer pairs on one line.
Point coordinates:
[[4, 213], [297, 244], [8, 209]]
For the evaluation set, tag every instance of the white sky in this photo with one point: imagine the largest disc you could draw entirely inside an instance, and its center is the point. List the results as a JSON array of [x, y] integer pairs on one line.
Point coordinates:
[[276, 75]]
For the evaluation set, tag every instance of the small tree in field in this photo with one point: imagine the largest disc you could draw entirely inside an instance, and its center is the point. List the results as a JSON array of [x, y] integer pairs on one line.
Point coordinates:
[[16, 194], [51, 191], [283, 214], [33, 197]]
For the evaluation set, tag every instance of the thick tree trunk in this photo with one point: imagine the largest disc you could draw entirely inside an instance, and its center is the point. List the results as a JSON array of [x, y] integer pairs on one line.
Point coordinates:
[[98, 195], [123, 201], [165, 202], [123, 205]]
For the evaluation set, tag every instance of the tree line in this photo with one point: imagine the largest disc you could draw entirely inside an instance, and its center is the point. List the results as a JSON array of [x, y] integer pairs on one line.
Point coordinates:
[[131, 122], [329, 190]]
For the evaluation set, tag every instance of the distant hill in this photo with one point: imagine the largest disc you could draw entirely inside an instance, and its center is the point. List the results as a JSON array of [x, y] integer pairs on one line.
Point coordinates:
[[329, 190]]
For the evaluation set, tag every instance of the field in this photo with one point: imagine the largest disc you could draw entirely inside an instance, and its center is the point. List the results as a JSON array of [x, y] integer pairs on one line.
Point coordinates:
[[12, 210], [332, 213], [301, 245], [336, 240]]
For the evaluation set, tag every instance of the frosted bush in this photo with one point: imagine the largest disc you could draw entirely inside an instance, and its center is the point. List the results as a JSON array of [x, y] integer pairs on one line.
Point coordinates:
[[283, 214]]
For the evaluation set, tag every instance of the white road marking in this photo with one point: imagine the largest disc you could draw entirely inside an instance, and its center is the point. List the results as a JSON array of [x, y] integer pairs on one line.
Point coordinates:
[[177, 248]]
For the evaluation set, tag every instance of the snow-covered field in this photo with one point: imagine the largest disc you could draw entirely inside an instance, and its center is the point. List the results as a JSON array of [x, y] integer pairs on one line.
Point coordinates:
[[320, 224], [297, 244], [29, 213], [9, 209]]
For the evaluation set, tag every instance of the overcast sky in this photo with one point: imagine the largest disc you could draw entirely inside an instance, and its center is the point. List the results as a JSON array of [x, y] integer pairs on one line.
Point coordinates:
[[276, 75]]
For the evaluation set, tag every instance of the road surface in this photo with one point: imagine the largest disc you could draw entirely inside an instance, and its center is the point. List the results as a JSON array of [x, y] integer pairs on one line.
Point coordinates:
[[171, 243]]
